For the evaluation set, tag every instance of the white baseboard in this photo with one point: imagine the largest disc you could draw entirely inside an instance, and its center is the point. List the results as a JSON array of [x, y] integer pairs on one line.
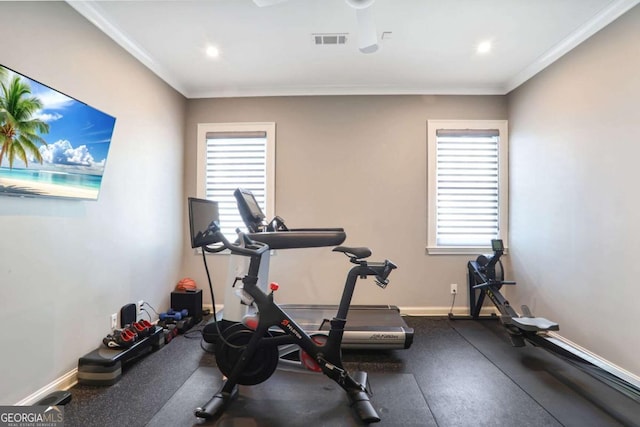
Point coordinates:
[[443, 311], [594, 359], [65, 382]]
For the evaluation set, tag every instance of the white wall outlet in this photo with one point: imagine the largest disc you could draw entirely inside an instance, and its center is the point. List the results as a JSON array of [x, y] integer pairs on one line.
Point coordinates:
[[114, 320], [454, 288], [140, 304]]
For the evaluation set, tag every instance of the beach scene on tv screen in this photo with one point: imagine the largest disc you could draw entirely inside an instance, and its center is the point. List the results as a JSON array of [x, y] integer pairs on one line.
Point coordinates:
[[51, 145]]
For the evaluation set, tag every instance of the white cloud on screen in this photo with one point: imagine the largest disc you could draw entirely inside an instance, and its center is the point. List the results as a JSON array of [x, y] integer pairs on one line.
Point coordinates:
[[63, 153], [48, 117]]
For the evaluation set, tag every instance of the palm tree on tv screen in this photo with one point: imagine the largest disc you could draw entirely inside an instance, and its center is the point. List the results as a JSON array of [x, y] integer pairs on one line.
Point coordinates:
[[19, 130]]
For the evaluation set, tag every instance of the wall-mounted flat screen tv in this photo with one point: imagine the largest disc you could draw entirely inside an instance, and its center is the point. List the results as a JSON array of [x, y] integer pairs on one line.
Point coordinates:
[[51, 145]]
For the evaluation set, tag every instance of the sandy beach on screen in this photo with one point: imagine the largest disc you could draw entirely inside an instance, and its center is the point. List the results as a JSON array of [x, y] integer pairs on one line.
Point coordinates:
[[32, 188]]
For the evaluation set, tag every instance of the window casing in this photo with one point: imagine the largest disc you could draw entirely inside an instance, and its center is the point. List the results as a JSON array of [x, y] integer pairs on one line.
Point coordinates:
[[236, 155], [467, 193]]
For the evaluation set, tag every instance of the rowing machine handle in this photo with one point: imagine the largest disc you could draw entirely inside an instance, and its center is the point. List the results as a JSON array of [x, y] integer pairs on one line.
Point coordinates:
[[494, 283]]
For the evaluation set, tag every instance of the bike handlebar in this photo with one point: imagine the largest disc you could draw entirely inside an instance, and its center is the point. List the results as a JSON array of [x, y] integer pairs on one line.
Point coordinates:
[[260, 247], [382, 278]]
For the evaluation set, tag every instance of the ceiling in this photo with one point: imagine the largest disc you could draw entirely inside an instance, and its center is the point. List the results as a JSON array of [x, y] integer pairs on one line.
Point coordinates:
[[428, 47]]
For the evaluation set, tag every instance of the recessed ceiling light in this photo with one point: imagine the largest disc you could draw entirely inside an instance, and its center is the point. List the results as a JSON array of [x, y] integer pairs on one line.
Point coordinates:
[[484, 47], [212, 52]]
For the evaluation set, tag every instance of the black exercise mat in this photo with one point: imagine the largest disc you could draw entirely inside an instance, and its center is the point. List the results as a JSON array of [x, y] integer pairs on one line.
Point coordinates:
[[571, 396], [296, 399], [462, 387], [144, 388]]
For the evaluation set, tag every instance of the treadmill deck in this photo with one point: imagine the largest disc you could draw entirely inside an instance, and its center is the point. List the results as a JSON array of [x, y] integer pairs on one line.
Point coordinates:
[[368, 326]]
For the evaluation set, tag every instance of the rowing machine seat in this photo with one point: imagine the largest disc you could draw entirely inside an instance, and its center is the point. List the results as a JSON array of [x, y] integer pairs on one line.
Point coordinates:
[[534, 324]]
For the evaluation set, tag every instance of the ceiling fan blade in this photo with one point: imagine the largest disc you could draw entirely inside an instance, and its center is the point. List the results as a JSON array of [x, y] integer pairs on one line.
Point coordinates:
[[263, 3], [367, 35]]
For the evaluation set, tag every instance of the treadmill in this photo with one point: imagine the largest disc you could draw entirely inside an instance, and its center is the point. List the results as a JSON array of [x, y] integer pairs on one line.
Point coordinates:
[[375, 327]]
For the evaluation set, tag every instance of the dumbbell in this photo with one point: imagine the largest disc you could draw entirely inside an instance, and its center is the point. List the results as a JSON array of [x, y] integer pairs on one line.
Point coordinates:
[[184, 312], [175, 315]]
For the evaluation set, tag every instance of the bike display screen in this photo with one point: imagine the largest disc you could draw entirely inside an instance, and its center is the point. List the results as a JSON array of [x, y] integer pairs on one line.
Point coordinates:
[[201, 214]]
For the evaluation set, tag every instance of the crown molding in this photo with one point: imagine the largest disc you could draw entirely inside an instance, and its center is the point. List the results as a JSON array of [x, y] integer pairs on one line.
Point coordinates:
[[91, 11], [604, 17]]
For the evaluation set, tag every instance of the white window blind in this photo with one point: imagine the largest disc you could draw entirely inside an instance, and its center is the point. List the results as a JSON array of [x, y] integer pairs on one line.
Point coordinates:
[[235, 160], [468, 185], [235, 156]]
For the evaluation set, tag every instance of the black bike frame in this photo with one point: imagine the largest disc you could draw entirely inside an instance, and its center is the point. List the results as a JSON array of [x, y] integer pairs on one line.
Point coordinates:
[[328, 355]]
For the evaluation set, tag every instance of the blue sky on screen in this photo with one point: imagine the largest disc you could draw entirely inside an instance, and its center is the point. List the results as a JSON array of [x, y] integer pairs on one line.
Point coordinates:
[[79, 135]]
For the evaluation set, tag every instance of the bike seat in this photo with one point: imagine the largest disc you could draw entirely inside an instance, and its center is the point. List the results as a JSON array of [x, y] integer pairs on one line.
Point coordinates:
[[356, 253]]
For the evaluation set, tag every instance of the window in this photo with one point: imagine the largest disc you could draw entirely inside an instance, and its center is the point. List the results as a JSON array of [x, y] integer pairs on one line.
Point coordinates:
[[467, 185], [236, 155]]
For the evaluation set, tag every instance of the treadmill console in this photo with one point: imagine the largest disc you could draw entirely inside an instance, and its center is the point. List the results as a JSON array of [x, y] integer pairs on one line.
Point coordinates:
[[278, 236], [250, 211]]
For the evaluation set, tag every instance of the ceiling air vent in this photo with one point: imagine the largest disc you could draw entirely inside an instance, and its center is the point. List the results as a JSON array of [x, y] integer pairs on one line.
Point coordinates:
[[329, 39]]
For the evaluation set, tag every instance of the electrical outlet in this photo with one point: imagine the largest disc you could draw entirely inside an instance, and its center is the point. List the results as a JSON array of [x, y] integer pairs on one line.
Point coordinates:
[[140, 304], [454, 288], [114, 320]]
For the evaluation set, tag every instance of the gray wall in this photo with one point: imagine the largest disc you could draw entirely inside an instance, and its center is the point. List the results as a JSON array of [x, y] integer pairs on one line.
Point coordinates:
[[65, 266], [357, 162], [575, 234]]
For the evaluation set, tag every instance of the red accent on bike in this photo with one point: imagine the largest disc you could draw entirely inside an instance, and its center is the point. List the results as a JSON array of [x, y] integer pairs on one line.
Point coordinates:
[[309, 362], [251, 321], [273, 286]]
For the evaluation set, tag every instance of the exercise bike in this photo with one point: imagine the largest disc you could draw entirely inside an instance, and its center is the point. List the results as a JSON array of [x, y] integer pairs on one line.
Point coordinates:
[[249, 355], [483, 281]]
